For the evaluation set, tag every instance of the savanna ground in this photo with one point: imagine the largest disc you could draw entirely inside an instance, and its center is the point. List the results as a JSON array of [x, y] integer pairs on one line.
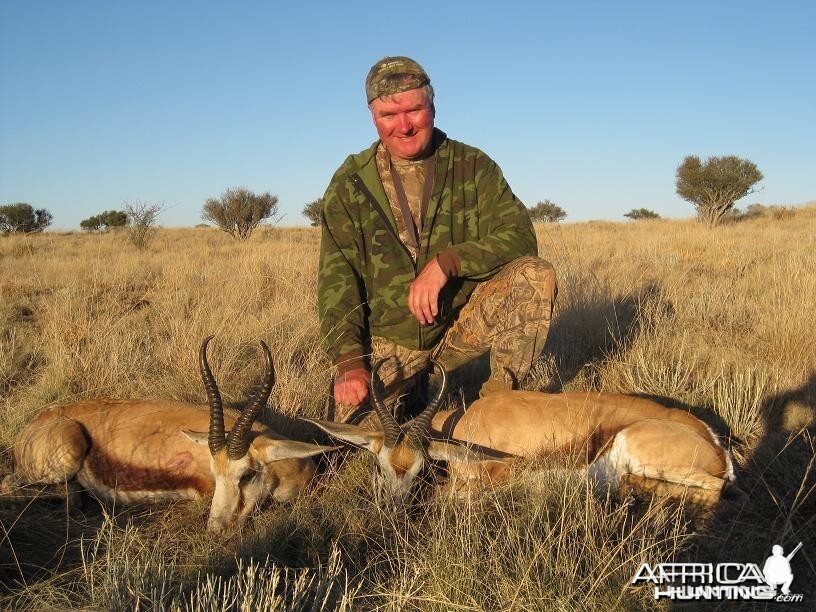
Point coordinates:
[[720, 322]]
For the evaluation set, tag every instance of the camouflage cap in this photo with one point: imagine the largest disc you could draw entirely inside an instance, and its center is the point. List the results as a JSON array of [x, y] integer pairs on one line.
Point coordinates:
[[394, 75]]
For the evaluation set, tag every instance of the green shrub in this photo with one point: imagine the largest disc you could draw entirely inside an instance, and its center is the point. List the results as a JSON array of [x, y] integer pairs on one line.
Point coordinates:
[[547, 211], [715, 185], [22, 217], [238, 211]]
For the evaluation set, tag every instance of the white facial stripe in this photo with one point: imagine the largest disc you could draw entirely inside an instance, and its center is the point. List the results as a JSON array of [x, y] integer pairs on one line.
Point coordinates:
[[400, 486]]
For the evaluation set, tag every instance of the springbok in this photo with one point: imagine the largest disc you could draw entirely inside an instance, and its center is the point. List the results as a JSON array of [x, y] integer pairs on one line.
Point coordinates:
[[158, 450], [625, 443]]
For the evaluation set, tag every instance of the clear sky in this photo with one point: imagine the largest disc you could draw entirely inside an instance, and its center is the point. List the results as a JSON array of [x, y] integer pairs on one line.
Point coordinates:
[[589, 104]]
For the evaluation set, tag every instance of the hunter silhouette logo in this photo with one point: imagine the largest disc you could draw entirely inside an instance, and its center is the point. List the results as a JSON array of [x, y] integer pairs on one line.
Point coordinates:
[[777, 569], [721, 581]]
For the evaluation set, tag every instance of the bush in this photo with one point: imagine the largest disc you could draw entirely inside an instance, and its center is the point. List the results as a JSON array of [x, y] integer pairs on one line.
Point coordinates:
[[641, 213], [91, 224], [547, 211], [715, 185], [754, 211], [143, 217], [238, 211], [22, 217], [105, 221], [781, 213], [313, 211], [760, 211]]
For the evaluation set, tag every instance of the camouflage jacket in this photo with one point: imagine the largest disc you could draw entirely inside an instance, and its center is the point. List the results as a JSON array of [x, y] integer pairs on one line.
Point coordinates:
[[473, 222]]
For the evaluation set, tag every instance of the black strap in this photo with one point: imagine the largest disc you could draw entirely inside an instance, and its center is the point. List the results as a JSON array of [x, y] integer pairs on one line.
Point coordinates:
[[402, 199]]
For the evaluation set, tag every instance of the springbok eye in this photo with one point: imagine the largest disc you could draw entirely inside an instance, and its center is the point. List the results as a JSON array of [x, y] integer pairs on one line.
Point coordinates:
[[246, 477]]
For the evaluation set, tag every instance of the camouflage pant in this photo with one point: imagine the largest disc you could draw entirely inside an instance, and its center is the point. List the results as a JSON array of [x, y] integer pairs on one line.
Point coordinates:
[[507, 315]]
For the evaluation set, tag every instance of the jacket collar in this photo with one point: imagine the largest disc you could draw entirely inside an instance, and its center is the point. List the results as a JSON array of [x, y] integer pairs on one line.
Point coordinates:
[[366, 169]]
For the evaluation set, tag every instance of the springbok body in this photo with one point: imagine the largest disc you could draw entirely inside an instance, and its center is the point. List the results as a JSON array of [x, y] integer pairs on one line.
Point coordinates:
[[621, 441], [154, 450]]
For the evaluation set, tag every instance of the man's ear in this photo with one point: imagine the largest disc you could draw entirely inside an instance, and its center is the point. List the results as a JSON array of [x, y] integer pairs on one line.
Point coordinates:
[[270, 449], [371, 441], [442, 450]]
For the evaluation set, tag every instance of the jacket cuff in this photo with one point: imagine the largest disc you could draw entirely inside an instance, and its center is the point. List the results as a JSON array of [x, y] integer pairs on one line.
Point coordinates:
[[354, 360], [449, 262]]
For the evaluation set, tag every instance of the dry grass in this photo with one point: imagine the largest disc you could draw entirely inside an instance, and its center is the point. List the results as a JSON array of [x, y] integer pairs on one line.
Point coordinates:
[[720, 322]]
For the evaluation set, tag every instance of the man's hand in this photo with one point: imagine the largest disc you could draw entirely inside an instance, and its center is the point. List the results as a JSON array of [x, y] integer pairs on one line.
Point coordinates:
[[351, 388], [423, 294]]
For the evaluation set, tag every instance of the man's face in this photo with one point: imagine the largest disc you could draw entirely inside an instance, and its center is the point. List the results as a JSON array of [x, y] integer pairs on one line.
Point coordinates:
[[404, 123]]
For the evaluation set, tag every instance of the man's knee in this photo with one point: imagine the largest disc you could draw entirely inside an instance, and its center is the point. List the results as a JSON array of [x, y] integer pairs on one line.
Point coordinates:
[[530, 271]]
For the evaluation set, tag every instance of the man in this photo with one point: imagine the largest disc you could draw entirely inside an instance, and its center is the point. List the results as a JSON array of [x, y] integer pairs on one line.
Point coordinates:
[[425, 252]]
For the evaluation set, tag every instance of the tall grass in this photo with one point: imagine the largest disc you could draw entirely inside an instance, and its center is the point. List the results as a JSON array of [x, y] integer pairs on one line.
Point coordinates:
[[718, 322]]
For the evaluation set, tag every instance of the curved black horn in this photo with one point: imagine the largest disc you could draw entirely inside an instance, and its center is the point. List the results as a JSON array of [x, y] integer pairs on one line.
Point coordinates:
[[216, 439], [390, 427], [238, 439], [418, 431]]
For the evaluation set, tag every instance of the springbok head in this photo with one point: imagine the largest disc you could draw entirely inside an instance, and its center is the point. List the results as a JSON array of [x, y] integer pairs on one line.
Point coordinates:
[[402, 451], [249, 465]]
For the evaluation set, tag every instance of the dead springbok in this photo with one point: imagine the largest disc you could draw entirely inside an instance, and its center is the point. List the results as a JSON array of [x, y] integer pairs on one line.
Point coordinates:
[[157, 450], [623, 442]]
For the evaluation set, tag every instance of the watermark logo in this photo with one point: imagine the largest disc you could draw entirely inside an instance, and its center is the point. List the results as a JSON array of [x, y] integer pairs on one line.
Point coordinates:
[[721, 581]]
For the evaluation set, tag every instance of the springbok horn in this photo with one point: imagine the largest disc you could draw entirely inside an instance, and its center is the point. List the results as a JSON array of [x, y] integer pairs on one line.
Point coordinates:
[[238, 439], [390, 427], [216, 439], [418, 431]]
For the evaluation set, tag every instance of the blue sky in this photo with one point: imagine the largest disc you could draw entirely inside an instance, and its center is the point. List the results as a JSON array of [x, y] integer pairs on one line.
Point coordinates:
[[589, 104]]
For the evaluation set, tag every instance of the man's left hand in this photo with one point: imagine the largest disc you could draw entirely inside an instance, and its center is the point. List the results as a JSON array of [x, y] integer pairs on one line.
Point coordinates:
[[423, 294]]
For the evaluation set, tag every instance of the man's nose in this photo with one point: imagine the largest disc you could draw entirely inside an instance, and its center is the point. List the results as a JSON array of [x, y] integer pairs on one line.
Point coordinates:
[[405, 126]]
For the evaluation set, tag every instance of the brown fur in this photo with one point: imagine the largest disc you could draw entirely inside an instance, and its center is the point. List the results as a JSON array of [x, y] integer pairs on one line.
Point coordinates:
[[677, 454], [118, 447], [115, 473], [530, 424]]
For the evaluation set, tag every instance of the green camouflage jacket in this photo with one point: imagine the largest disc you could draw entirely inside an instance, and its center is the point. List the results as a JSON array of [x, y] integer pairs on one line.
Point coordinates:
[[473, 222]]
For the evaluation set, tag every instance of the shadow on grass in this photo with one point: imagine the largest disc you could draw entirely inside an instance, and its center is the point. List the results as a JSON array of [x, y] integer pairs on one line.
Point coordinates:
[[591, 329], [39, 539], [43, 539], [779, 507]]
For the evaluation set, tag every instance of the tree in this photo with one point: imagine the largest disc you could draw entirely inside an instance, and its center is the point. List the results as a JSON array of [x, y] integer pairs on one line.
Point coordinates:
[[715, 185], [114, 218], [239, 211], [313, 211], [143, 217], [21, 217], [105, 221], [547, 211], [641, 213], [91, 224]]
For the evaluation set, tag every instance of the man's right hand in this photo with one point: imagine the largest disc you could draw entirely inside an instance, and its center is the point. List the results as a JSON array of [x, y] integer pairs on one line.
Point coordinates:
[[351, 388]]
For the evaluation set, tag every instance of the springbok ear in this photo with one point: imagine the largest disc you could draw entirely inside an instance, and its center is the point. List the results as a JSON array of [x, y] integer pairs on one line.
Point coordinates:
[[371, 441], [270, 449], [199, 437], [441, 450]]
